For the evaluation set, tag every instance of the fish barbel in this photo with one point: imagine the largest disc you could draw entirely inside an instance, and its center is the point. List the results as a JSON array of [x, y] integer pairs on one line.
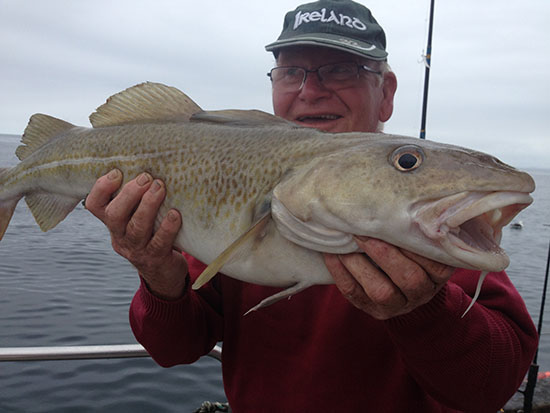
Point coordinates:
[[261, 198]]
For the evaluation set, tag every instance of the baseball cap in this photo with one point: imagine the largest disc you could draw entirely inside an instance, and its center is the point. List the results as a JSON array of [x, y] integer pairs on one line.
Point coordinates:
[[339, 24]]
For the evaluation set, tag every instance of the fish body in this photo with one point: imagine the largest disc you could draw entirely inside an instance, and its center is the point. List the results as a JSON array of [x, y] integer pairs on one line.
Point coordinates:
[[261, 198]]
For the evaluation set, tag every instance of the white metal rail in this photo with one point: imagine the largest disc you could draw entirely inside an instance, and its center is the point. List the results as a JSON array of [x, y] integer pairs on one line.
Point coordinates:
[[81, 352]]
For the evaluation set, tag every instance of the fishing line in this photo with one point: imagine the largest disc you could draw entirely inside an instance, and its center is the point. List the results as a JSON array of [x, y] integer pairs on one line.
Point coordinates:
[[427, 72], [543, 302], [422, 58]]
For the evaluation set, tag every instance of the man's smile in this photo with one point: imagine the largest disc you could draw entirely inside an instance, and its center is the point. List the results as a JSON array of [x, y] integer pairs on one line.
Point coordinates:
[[317, 120]]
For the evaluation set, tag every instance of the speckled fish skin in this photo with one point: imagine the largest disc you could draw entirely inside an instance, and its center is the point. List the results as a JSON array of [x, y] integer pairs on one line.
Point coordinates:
[[226, 170], [216, 174]]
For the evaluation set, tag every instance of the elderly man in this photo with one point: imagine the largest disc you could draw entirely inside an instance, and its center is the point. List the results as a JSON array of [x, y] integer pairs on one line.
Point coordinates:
[[389, 336]]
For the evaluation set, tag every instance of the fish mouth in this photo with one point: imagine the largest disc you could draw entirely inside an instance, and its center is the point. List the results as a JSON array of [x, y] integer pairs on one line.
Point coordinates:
[[468, 225]]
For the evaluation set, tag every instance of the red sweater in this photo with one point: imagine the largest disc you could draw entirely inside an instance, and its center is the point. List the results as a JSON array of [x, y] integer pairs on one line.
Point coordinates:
[[317, 353]]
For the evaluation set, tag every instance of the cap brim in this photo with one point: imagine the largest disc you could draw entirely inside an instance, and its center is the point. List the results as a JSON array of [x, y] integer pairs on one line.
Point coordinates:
[[335, 42]]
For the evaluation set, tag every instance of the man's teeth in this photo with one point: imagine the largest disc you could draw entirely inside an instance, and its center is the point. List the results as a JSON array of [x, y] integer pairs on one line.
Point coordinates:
[[317, 117]]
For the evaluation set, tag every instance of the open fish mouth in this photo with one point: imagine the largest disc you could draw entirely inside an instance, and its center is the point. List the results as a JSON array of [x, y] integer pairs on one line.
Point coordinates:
[[468, 225]]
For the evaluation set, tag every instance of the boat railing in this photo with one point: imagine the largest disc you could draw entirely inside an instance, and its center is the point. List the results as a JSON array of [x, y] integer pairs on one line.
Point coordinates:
[[8, 354], [81, 352], [97, 352]]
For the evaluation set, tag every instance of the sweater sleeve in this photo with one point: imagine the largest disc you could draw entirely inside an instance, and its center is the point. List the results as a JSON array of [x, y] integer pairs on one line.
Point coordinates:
[[474, 363], [178, 332]]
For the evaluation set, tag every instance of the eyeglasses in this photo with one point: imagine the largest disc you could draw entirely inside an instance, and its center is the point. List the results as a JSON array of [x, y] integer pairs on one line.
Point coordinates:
[[334, 76]]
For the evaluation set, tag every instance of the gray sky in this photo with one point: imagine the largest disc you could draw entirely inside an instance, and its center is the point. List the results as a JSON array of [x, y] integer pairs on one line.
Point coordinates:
[[489, 86]]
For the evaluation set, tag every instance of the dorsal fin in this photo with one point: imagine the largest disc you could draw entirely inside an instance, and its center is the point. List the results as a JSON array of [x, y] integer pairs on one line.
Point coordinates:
[[40, 130], [145, 103], [237, 117]]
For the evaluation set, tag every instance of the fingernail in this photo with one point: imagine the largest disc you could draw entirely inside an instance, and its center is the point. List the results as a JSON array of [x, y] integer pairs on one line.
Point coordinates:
[[144, 179], [113, 175], [172, 216], [156, 186]]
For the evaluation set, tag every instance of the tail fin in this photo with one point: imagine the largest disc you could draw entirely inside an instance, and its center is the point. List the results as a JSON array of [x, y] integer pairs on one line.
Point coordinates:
[[47, 209], [6, 209]]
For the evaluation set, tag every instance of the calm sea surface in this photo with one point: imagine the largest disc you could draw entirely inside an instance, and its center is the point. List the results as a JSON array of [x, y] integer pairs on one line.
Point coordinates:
[[67, 287]]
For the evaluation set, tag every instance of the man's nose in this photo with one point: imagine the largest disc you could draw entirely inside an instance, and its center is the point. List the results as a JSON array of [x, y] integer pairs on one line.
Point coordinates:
[[313, 88]]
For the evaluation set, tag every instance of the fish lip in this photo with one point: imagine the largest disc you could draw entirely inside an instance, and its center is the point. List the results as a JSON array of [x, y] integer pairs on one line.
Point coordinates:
[[468, 225]]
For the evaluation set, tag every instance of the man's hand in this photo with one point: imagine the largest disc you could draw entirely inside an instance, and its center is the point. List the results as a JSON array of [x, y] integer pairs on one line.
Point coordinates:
[[130, 218], [391, 283]]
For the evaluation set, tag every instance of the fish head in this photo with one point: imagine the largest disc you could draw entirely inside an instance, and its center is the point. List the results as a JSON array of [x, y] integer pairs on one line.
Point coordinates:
[[443, 202]]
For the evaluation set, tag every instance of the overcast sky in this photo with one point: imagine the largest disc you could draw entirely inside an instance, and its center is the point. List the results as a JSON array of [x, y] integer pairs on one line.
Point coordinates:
[[489, 87]]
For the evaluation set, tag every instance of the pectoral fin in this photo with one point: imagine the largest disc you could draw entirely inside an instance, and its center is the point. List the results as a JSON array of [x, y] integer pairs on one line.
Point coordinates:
[[235, 250], [272, 299]]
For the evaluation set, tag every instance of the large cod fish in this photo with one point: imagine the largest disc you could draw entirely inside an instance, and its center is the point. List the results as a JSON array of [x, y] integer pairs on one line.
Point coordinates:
[[261, 198]]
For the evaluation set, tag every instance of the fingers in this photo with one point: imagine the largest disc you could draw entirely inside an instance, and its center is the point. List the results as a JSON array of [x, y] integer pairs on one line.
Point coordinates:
[[131, 213], [345, 282], [138, 205], [162, 267], [439, 273], [378, 287], [408, 277], [165, 236], [387, 281], [102, 191], [130, 217], [135, 200]]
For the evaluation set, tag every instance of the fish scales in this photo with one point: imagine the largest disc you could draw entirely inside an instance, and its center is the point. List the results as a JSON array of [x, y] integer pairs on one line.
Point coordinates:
[[197, 163], [261, 198]]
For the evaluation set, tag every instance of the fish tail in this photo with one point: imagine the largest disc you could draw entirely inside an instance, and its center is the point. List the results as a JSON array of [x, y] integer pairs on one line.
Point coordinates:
[[6, 207], [48, 209]]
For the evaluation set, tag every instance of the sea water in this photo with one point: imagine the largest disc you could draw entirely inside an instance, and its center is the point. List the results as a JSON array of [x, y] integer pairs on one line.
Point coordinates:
[[68, 287]]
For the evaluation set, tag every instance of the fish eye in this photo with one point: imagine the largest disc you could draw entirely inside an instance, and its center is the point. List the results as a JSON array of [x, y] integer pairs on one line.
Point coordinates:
[[407, 158]]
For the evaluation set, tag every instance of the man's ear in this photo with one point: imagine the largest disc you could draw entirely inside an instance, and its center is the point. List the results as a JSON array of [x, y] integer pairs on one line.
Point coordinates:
[[388, 89]]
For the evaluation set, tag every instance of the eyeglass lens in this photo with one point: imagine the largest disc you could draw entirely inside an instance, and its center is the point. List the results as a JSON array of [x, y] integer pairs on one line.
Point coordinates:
[[292, 78]]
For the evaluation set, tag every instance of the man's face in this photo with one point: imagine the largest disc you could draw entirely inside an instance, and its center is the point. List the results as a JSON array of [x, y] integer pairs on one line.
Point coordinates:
[[354, 109]]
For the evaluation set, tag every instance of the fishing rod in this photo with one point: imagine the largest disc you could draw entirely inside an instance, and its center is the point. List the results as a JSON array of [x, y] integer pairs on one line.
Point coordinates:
[[529, 390], [428, 62]]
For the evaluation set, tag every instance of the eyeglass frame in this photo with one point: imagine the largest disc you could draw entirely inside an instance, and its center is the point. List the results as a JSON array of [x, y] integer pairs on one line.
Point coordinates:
[[307, 71]]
